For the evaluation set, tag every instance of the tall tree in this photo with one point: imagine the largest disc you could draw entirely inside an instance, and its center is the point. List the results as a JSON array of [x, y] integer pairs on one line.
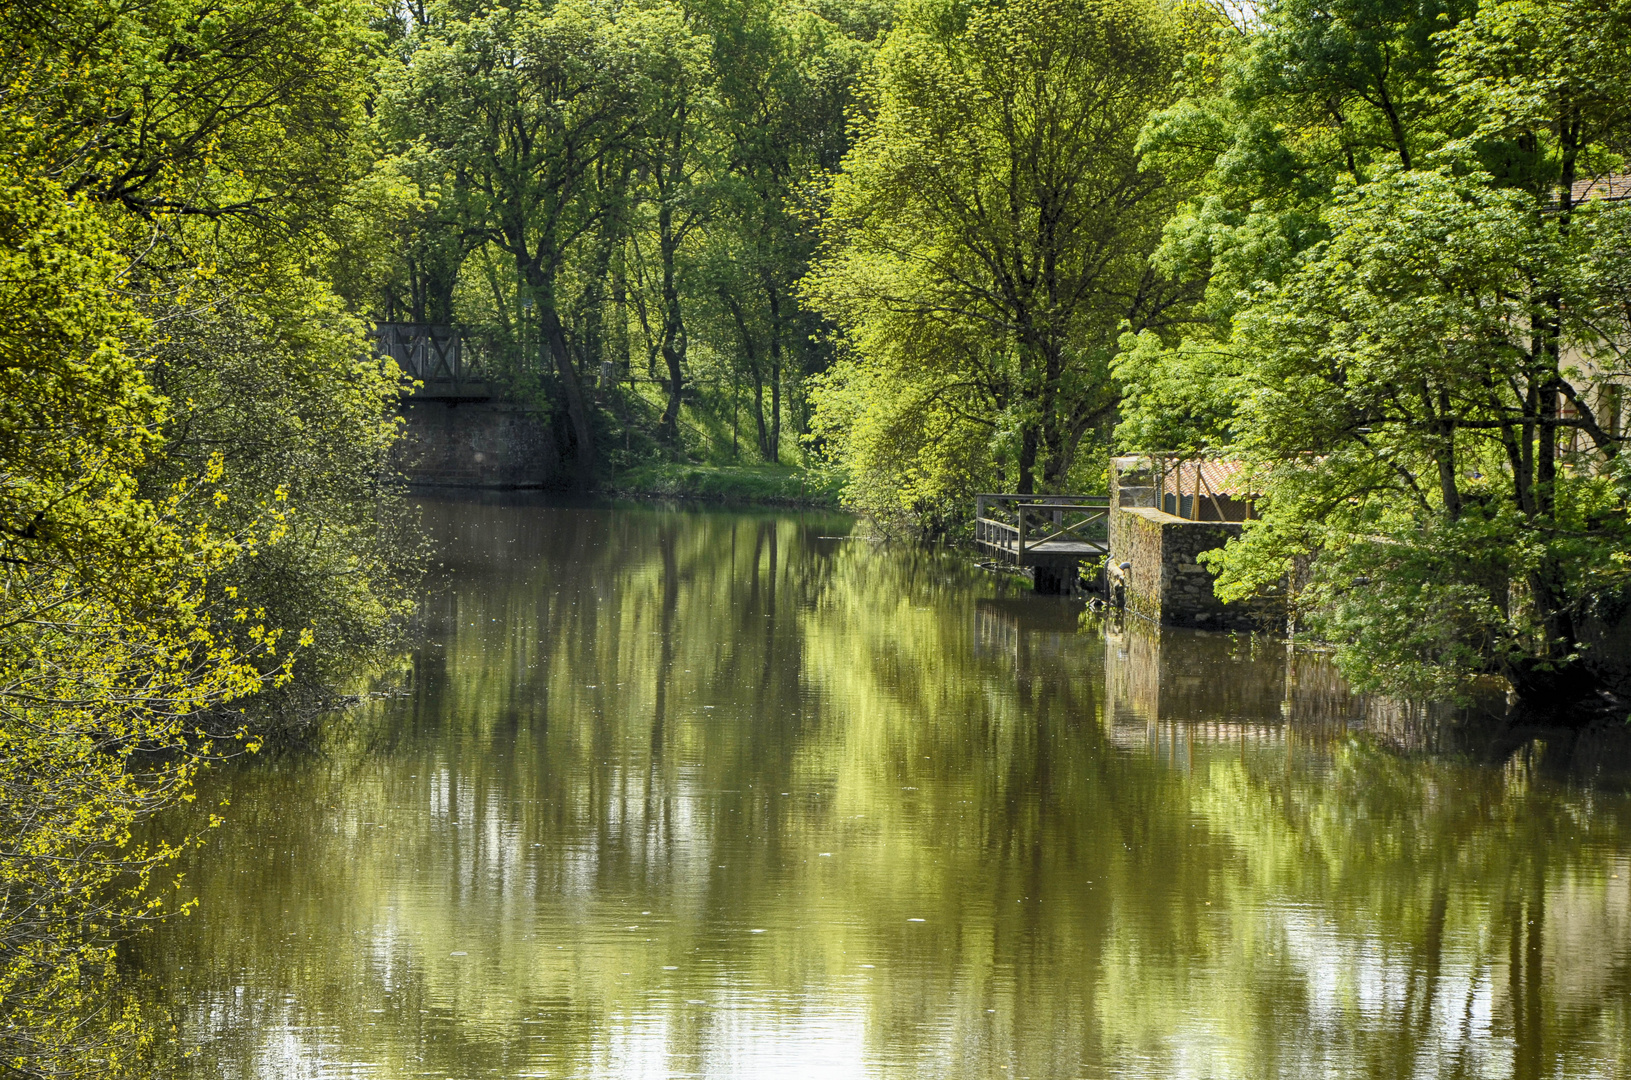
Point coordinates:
[[787, 76], [986, 239], [527, 104], [676, 157], [1417, 318], [178, 177]]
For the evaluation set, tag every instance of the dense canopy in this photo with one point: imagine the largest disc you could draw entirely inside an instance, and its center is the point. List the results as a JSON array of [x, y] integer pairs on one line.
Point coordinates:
[[1376, 251]]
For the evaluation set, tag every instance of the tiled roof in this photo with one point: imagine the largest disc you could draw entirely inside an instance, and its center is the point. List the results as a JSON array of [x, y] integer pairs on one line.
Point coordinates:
[[1220, 478], [1612, 187]]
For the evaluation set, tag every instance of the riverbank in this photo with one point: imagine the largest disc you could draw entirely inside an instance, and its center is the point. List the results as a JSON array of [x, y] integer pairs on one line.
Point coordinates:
[[773, 485]]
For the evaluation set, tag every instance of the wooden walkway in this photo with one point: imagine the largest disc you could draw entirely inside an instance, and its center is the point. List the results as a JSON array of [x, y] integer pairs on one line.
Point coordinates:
[[1051, 531]]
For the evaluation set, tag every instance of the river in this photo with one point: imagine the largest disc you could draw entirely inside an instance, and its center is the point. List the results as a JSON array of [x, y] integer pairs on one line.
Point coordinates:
[[700, 793]]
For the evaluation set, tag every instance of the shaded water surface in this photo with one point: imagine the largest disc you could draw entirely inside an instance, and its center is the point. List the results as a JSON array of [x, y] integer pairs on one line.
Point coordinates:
[[718, 794]]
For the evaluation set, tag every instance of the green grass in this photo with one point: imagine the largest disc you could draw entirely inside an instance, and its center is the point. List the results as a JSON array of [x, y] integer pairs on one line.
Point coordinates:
[[780, 485]]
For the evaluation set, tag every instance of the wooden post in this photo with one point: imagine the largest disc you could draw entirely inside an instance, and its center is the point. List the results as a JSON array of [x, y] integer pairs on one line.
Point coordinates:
[[1215, 504], [1019, 508]]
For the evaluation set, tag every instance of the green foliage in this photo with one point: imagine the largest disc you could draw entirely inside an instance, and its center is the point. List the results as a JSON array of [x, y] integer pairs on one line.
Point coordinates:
[[756, 484], [1312, 97], [987, 240], [296, 413], [1416, 331], [108, 651], [614, 193], [133, 104], [191, 443]]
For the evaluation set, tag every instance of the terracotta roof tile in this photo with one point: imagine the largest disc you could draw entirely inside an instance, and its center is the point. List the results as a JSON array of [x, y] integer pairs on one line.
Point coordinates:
[[1612, 187], [1220, 478]]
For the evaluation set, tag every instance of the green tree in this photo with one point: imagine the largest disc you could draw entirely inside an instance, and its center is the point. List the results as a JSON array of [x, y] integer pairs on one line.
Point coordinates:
[[653, 164], [1416, 321], [1386, 387], [786, 77], [527, 106], [108, 652], [183, 181], [986, 240], [1310, 96], [676, 156]]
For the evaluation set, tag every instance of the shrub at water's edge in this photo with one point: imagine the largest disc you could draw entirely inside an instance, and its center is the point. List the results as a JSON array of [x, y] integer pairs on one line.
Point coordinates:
[[775, 485], [196, 522]]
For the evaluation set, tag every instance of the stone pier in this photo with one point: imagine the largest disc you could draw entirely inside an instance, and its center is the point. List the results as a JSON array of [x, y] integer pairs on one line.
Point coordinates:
[[459, 431], [1153, 552]]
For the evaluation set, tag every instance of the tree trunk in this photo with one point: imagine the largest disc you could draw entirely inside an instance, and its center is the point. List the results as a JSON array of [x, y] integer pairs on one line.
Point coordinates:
[[577, 406], [673, 339], [751, 348], [602, 278], [1448, 484], [759, 415], [594, 301], [617, 343], [1027, 459], [773, 449]]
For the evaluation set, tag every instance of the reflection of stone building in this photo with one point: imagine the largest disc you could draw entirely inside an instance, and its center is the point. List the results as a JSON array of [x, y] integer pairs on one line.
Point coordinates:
[[1172, 690], [1235, 687], [1155, 674]]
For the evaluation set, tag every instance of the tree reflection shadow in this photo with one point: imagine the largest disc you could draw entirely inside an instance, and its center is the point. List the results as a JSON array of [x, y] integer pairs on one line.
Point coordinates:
[[715, 794]]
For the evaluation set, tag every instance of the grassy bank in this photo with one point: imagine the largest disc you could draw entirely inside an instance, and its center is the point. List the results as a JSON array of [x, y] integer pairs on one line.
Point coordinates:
[[777, 485]]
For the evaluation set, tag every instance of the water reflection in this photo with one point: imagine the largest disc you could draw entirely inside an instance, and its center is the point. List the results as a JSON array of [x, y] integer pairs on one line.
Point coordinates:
[[736, 795]]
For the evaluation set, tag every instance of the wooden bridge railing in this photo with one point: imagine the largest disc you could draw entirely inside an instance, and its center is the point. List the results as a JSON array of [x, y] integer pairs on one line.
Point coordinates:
[[437, 356], [1021, 523]]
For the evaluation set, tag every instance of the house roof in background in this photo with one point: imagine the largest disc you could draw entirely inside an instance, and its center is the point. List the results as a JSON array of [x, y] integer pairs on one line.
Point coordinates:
[[1219, 477], [1611, 187]]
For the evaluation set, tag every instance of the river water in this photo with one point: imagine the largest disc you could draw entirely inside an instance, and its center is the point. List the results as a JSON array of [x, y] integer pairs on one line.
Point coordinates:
[[717, 794]]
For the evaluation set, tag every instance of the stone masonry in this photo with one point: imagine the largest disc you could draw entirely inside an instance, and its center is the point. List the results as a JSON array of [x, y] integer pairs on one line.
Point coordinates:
[[1164, 583], [477, 444]]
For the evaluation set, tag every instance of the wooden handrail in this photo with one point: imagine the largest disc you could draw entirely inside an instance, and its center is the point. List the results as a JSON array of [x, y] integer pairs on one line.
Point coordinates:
[[433, 354], [1021, 524], [1020, 532], [1063, 502]]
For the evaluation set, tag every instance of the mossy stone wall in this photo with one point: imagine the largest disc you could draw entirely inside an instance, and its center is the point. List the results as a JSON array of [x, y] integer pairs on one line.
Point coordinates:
[[476, 444]]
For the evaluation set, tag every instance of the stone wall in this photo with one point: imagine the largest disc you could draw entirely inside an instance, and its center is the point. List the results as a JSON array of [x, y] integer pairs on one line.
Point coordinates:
[[1164, 583], [1155, 673], [476, 444], [1605, 630], [1187, 598]]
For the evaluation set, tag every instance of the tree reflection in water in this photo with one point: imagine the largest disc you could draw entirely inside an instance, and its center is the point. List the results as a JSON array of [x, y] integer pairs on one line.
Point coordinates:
[[733, 795]]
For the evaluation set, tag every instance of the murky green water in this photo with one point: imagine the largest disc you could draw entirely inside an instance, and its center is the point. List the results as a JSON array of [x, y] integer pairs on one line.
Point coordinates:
[[732, 795]]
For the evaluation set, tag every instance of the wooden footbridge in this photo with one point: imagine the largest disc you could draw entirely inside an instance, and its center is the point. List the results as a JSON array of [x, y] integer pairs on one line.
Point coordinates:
[[439, 358], [1048, 534]]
